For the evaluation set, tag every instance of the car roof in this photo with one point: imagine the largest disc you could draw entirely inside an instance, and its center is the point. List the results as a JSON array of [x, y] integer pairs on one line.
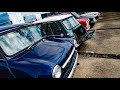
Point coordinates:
[[11, 27], [53, 18]]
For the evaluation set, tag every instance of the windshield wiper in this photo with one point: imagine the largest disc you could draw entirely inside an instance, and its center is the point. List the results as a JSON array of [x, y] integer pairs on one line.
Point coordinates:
[[31, 46]]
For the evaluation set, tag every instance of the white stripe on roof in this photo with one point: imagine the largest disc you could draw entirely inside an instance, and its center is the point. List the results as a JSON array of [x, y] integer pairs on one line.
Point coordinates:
[[53, 18]]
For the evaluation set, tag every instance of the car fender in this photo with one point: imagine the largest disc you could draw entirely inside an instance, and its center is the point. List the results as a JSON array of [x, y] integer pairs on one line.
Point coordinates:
[[83, 22]]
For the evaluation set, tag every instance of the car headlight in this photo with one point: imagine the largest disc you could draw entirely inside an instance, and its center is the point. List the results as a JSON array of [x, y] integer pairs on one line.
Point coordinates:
[[57, 72]]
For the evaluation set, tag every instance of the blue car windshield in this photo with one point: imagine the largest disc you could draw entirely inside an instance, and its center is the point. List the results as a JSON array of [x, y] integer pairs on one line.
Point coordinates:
[[16, 41]]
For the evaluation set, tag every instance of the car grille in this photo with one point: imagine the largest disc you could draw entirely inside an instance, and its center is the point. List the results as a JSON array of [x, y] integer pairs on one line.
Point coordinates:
[[69, 66], [67, 55]]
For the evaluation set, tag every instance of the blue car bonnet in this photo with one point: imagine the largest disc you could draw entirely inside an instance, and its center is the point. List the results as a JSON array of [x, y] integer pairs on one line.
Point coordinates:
[[52, 51], [41, 59]]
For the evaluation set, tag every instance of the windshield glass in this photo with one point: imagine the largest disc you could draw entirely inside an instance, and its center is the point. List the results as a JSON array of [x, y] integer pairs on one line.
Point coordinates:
[[70, 23], [13, 42]]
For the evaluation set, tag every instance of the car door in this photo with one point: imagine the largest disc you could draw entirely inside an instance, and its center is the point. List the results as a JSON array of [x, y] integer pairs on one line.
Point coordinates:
[[53, 29], [4, 72], [56, 29]]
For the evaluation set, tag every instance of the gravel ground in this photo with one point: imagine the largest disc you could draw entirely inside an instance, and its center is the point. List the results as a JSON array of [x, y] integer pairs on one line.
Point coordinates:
[[106, 41], [108, 20], [107, 16], [97, 68], [107, 25]]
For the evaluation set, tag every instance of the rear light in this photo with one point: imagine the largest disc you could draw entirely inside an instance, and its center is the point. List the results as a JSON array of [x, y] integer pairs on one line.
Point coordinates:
[[87, 25]]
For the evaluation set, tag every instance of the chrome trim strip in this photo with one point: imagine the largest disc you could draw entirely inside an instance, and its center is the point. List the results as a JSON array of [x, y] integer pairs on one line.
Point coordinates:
[[88, 27], [75, 44], [63, 66], [71, 73]]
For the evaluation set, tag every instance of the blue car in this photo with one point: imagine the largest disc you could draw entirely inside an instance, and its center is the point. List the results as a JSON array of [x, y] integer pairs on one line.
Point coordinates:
[[26, 53]]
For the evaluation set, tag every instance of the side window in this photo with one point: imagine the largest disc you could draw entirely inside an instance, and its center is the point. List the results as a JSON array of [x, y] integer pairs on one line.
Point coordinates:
[[46, 29], [55, 28], [51, 28]]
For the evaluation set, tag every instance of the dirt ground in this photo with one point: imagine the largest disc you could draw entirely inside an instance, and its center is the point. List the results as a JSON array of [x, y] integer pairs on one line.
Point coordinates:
[[106, 41], [107, 38], [97, 68]]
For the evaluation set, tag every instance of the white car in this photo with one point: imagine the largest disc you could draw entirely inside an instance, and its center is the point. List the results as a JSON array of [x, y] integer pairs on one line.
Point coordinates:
[[93, 16]]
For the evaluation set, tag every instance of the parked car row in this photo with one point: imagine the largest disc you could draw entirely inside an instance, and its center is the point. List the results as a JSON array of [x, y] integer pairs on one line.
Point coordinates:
[[84, 18], [65, 26], [43, 49], [93, 16], [26, 53]]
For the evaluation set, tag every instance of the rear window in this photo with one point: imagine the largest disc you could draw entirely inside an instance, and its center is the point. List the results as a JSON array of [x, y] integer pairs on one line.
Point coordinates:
[[70, 23]]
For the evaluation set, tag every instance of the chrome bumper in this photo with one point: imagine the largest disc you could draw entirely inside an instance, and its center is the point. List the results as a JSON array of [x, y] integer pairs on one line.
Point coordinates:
[[88, 35], [63, 66], [75, 63]]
